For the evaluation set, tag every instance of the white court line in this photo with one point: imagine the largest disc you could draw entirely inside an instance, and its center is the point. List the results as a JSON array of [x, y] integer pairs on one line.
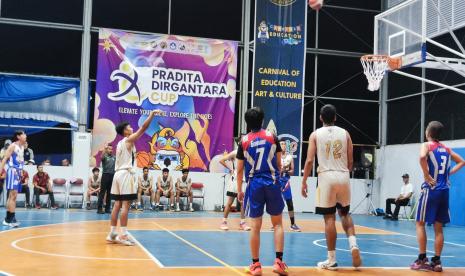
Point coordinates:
[[6, 273], [408, 246], [316, 242], [451, 243], [15, 245], [147, 252]]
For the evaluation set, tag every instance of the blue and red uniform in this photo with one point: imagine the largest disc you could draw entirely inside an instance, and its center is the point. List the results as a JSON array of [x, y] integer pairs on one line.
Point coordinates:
[[258, 150], [433, 204]]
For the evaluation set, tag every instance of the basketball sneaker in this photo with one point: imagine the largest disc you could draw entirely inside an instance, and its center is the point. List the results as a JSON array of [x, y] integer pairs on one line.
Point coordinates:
[[327, 265], [10, 224], [139, 207], [111, 238], [224, 226], [244, 227], [191, 209], [178, 209], [423, 265], [15, 222], [356, 260], [255, 269], [436, 266], [295, 228], [280, 267], [125, 240]]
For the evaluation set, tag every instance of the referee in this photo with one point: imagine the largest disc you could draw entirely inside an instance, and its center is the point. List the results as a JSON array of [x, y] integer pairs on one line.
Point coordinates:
[[108, 171]]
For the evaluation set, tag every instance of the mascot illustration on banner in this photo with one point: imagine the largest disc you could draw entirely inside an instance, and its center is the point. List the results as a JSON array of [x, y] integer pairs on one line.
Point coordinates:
[[172, 150]]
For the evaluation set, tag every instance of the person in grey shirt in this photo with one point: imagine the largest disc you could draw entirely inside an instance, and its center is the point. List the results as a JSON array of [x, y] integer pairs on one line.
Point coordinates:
[[108, 171]]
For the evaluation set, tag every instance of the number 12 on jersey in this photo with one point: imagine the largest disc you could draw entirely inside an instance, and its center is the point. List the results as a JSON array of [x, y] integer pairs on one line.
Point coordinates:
[[335, 148]]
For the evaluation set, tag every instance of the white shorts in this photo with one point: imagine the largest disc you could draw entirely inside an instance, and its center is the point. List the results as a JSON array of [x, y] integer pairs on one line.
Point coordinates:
[[231, 184], [333, 192], [124, 186]]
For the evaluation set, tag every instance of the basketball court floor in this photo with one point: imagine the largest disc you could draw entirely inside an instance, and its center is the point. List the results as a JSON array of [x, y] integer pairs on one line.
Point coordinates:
[[72, 242]]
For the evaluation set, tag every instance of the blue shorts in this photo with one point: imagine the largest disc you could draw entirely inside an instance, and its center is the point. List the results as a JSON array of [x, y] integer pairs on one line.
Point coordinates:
[[12, 179], [261, 191], [433, 206], [285, 187]]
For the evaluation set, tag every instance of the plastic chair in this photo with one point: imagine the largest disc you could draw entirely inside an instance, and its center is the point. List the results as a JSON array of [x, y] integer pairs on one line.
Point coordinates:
[[76, 191], [198, 192], [60, 192]]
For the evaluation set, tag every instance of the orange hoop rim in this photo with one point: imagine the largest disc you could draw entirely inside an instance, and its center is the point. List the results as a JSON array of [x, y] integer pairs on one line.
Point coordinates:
[[375, 57]]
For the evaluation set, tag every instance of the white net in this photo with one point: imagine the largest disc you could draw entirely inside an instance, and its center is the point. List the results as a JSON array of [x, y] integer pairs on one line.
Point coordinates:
[[374, 67]]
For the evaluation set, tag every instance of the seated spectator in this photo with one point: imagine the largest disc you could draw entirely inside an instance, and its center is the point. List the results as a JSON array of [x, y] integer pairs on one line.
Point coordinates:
[[165, 188], [43, 185], [28, 155], [93, 188], [46, 162], [403, 199], [65, 162], [184, 189], [145, 188], [3, 150], [25, 187]]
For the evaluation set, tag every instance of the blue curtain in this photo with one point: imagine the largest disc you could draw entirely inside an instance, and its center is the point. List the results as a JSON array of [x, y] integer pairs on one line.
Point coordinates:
[[7, 132], [17, 89]]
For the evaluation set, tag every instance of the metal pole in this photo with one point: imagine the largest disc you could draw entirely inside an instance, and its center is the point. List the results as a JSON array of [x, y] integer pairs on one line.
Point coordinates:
[[430, 81], [169, 17], [245, 72], [315, 81], [85, 64], [423, 88]]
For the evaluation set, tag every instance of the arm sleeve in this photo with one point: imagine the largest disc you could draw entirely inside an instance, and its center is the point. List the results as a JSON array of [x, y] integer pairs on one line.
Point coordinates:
[[240, 152]]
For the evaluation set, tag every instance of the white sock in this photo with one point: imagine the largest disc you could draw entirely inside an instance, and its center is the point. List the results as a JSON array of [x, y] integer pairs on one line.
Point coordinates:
[[124, 231], [242, 221], [352, 241], [332, 256], [190, 205], [225, 220], [113, 229], [177, 204], [138, 203]]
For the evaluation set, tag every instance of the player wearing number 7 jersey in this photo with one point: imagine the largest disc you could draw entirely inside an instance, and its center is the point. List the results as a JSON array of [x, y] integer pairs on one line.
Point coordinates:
[[333, 147], [260, 153]]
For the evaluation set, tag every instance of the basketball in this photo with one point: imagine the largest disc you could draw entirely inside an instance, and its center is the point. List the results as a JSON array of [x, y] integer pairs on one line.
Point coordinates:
[[143, 159], [315, 4]]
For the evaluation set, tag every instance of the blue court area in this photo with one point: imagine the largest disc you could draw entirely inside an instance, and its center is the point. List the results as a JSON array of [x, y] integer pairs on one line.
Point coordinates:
[[195, 248]]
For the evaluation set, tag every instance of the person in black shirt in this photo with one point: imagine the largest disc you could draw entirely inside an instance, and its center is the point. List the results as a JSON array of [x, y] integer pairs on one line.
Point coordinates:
[[108, 171]]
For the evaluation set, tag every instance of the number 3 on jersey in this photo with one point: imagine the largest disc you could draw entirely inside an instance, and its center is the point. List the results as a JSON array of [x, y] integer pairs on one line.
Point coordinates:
[[336, 147]]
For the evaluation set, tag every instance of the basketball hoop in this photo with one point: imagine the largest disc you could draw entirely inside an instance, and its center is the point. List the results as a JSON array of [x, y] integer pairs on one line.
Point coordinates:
[[374, 67]]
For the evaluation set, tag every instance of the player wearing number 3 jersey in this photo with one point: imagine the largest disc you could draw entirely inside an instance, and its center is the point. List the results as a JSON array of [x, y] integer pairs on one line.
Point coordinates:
[[333, 147]]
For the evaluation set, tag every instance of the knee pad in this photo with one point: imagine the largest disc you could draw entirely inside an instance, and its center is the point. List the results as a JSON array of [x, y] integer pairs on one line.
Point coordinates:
[[290, 205]]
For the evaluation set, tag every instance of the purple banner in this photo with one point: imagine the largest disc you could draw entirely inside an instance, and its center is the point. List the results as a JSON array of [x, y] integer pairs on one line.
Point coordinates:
[[192, 80]]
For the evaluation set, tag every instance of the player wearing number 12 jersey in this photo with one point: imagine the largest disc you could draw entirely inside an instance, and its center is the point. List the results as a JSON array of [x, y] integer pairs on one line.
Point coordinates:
[[260, 153], [333, 147]]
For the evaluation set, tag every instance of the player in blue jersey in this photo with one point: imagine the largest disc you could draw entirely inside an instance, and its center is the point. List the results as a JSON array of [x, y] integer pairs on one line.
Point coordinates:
[[260, 153], [13, 162], [433, 207]]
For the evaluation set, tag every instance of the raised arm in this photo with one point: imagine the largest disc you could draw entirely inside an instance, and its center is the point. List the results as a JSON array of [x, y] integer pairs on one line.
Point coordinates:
[[136, 135]]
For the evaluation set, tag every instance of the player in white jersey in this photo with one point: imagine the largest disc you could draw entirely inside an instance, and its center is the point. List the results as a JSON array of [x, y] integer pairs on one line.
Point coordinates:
[[229, 162], [14, 161], [184, 189], [334, 149], [124, 188]]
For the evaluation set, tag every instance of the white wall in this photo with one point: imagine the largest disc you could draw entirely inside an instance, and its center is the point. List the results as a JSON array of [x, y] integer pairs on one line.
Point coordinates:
[[214, 186], [395, 160]]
